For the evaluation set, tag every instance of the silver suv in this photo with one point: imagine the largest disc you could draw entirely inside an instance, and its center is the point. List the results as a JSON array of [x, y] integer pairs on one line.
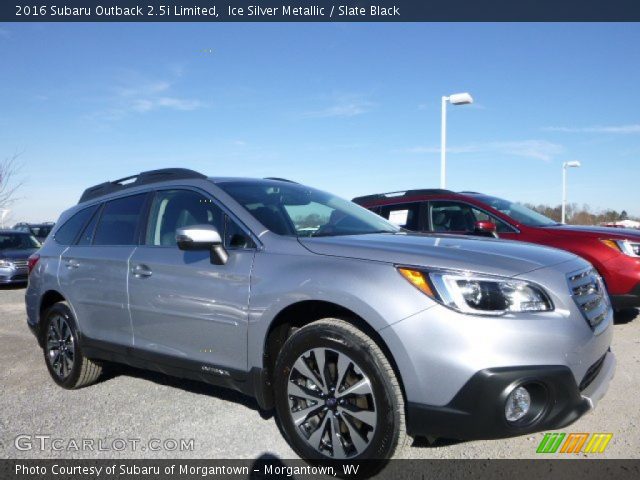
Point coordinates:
[[358, 333]]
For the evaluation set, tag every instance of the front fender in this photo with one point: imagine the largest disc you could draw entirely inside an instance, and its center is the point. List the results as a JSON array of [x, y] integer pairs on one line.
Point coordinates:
[[374, 291]]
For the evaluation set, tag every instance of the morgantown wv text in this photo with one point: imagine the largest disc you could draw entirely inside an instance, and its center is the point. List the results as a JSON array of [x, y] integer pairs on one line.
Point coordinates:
[[97, 471]]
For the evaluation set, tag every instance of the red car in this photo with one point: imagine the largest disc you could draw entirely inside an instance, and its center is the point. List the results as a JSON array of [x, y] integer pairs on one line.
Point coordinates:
[[614, 252]]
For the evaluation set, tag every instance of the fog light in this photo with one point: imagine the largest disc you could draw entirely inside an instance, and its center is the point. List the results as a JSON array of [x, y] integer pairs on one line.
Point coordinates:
[[518, 404]]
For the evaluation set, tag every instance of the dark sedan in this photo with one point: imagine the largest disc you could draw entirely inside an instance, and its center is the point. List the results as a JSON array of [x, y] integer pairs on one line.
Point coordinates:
[[15, 248]]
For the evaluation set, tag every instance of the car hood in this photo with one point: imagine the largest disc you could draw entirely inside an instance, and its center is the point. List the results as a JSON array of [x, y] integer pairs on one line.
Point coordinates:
[[587, 230], [20, 254], [483, 255]]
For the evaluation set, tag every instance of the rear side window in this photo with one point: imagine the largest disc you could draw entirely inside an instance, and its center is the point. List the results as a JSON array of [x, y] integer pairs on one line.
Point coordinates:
[[69, 231], [87, 233], [118, 224], [406, 215]]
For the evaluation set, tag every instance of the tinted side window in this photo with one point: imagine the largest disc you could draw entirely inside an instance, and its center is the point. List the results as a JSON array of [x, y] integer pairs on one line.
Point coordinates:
[[234, 236], [451, 217], [406, 215], [460, 217], [87, 233], [68, 232], [482, 216], [173, 209], [119, 220]]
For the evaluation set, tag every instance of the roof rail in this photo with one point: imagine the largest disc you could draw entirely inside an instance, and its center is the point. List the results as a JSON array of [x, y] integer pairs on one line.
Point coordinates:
[[143, 178], [470, 192], [280, 179], [402, 194]]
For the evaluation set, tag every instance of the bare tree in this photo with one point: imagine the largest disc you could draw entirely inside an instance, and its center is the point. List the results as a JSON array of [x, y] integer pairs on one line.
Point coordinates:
[[581, 215], [9, 184]]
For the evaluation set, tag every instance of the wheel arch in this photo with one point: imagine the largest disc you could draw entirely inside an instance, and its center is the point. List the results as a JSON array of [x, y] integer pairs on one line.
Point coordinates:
[[48, 299], [303, 313]]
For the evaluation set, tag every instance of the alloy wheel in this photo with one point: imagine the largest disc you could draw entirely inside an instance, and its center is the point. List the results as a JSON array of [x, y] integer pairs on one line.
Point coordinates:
[[60, 346], [331, 403]]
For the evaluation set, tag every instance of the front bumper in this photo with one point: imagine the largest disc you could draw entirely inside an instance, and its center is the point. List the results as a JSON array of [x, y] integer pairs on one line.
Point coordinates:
[[629, 300], [10, 276], [457, 369], [622, 276], [478, 410]]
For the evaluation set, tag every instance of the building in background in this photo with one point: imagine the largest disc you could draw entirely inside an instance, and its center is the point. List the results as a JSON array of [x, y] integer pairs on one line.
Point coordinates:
[[622, 224]]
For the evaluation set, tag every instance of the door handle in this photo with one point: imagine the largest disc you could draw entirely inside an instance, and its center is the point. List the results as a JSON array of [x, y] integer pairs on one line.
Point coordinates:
[[71, 264], [141, 271]]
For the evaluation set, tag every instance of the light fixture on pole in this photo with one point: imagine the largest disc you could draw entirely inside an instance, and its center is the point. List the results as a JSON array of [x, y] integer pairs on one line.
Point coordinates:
[[455, 99], [3, 213], [565, 165]]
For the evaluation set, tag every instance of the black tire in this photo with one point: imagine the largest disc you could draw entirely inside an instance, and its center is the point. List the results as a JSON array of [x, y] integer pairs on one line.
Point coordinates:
[[386, 439], [80, 371]]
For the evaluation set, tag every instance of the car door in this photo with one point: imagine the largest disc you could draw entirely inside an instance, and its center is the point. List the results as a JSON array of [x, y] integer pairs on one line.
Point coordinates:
[[94, 270], [183, 306]]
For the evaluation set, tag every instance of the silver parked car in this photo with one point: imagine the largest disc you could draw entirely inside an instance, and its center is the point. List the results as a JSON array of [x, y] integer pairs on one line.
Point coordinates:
[[15, 249], [355, 331]]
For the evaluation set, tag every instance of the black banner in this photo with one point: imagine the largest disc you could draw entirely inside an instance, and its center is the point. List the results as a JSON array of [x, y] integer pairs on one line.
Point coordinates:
[[269, 467], [318, 11]]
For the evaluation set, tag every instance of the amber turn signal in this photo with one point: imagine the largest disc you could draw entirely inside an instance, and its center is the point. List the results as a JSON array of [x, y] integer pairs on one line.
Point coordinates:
[[418, 280], [612, 244]]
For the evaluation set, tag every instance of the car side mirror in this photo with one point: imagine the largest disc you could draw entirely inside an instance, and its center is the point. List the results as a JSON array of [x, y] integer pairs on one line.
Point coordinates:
[[202, 237], [486, 228]]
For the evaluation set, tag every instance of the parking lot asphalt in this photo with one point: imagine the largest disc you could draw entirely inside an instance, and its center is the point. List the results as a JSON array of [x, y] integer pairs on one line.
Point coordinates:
[[137, 414]]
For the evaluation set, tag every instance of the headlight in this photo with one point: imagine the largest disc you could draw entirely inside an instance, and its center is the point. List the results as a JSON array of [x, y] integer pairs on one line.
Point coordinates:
[[627, 247], [5, 263], [479, 294]]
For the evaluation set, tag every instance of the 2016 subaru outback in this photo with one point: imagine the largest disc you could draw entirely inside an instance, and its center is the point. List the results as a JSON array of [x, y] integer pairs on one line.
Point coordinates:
[[357, 332]]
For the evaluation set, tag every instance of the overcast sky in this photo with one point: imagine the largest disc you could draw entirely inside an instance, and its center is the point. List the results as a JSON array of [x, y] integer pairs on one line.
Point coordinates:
[[349, 108]]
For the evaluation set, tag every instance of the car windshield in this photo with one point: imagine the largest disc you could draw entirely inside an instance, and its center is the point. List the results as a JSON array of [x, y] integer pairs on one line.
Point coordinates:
[[17, 241], [518, 212], [41, 231], [296, 210]]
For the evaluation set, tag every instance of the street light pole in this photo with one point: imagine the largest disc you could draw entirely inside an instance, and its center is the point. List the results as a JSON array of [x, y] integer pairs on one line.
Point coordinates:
[[564, 193], [455, 99], [443, 144], [565, 165]]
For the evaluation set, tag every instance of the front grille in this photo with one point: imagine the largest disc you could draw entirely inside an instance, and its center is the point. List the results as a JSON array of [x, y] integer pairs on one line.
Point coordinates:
[[592, 373], [20, 263], [587, 289]]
